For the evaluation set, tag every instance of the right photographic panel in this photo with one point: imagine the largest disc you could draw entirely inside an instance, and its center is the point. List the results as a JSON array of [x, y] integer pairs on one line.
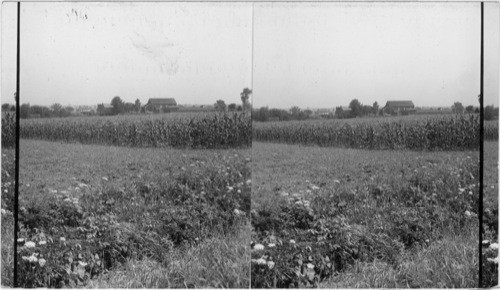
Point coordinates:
[[366, 145]]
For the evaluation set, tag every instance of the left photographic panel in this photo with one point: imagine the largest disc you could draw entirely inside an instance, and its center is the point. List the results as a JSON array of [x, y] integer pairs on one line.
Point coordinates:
[[135, 145], [8, 143]]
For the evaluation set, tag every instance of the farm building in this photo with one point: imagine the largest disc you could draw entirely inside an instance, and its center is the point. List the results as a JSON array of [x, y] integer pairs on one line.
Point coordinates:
[[399, 107], [325, 113], [167, 104], [343, 112]]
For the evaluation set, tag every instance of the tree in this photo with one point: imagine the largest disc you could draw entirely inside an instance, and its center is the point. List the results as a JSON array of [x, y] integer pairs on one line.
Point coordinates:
[[295, 111], [56, 109], [245, 95], [118, 105], [69, 109], [220, 106], [375, 108], [239, 108], [490, 113], [366, 110], [232, 107], [5, 107], [339, 112], [457, 108], [356, 108], [24, 111], [128, 107], [469, 109], [137, 105], [264, 114]]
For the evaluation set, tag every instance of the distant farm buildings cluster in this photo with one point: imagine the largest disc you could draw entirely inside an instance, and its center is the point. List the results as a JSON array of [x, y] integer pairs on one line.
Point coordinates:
[[161, 105], [399, 108]]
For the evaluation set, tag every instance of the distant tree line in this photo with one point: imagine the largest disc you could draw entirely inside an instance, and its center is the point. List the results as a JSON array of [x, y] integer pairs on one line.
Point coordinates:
[[221, 106], [118, 106], [265, 114], [36, 111]]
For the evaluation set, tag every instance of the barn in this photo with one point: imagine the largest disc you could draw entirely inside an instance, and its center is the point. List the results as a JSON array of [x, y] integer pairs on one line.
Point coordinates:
[[158, 104], [399, 107]]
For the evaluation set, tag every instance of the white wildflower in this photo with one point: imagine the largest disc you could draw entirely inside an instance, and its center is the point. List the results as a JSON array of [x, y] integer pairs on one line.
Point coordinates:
[[42, 243], [26, 258], [270, 264], [230, 188], [105, 178], [292, 241], [30, 244], [83, 264], [62, 239], [20, 240], [42, 262], [258, 247], [33, 259], [494, 246], [4, 212], [271, 245], [314, 187], [336, 181], [260, 261], [495, 260], [467, 213], [249, 182], [310, 266]]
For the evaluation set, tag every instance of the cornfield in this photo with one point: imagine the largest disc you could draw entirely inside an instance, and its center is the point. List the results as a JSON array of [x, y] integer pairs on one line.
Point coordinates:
[[459, 132], [210, 132], [491, 130], [8, 130]]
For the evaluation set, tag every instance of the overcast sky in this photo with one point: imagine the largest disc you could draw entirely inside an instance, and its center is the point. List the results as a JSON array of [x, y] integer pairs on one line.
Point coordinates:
[[87, 53], [322, 55], [317, 55]]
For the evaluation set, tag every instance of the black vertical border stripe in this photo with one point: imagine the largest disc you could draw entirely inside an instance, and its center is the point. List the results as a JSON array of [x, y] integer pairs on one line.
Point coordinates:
[[18, 111], [481, 150]]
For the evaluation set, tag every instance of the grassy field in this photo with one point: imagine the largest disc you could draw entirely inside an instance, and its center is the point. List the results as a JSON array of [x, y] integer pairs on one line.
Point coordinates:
[[8, 171], [379, 218], [104, 216], [490, 216]]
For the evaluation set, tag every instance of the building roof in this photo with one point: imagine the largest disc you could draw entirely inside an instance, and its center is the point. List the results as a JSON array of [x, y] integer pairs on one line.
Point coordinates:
[[324, 111], [399, 104], [158, 101]]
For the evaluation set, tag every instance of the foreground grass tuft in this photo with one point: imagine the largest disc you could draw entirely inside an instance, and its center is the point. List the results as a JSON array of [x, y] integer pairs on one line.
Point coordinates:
[[220, 262]]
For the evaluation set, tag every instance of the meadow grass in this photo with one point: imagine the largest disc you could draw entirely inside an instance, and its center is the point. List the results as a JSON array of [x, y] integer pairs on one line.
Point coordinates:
[[7, 229], [116, 206], [451, 262], [7, 250], [416, 211], [220, 262]]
